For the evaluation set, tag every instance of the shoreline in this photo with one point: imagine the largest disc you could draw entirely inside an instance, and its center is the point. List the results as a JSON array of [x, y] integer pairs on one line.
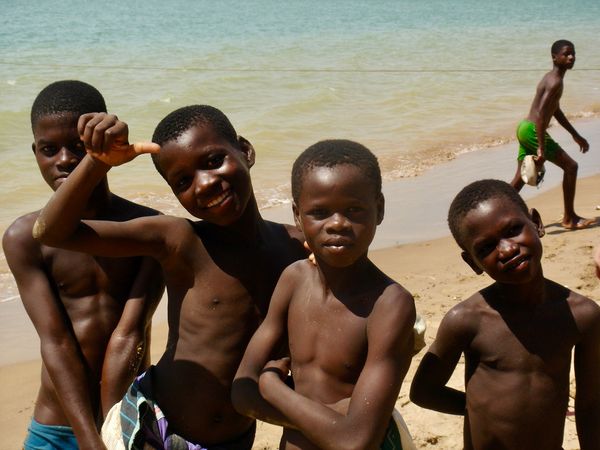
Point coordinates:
[[416, 209]]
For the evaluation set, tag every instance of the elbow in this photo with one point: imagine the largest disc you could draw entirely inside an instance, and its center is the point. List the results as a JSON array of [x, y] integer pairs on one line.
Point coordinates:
[[41, 233], [417, 394]]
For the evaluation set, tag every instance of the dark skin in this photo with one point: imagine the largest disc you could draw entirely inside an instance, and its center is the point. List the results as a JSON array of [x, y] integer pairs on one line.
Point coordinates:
[[546, 105], [517, 336], [220, 272], [92, 314], [349, 326]]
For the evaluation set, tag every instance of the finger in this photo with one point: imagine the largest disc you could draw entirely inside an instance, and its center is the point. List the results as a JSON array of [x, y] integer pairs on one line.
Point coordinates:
[[115, 134], [82, 122], [99, 134], [145, 147], [88, 131]]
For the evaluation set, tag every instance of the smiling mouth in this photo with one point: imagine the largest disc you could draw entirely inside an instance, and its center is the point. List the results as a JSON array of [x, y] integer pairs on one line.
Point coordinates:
[[517, 263], [217, 200]]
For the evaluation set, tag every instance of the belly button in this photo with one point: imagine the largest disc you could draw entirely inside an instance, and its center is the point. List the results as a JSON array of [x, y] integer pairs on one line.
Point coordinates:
[[215, 302]]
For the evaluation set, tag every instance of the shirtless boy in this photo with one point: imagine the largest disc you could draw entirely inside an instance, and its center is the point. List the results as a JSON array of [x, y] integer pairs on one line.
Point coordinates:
[[517, 335], [91, 314], [220, 272], [349, 326], [534, 140]]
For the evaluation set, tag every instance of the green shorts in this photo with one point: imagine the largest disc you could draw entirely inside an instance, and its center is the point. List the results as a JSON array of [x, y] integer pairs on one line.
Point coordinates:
[[528, 143]]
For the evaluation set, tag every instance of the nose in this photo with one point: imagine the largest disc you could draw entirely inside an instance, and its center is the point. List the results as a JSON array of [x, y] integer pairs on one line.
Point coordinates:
[[507, 248], [67, 160], [337, 222], [204, 181]]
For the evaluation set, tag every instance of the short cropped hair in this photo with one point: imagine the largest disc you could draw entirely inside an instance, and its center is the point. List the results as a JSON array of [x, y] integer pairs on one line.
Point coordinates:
[[182, 119], [331, 153], [560, 44], [474, 194], [66, 97]]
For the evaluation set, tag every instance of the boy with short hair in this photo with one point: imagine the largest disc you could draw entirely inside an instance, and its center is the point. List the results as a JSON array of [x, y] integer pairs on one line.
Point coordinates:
[[92, 314], [349, 326], [534, 140], [517, 335], [220, 272]]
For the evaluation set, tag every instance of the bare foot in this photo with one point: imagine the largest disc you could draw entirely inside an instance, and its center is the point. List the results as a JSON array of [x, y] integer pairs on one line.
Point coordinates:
[[578, 224]]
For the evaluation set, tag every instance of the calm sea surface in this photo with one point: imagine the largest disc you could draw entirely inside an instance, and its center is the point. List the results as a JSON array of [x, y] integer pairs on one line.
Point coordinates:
[[417, 82]]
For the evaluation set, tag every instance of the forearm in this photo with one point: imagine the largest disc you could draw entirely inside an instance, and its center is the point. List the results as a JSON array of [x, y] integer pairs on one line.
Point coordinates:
[[588, 426], [564, 122], [124, 355], [323, 426], [443, 399], [71, 382], [248, 401], [64, 211]]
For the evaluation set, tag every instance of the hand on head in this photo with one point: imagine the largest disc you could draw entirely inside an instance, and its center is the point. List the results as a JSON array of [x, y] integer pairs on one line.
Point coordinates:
[[105, 138]]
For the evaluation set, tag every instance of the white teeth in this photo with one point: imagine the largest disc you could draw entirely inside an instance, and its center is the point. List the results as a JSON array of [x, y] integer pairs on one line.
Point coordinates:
[[217, 200]]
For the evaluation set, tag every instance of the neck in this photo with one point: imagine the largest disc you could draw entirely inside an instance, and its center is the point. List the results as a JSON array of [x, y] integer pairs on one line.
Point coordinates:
[[341, 279], [560, 71], [249, 226], [531, 293]]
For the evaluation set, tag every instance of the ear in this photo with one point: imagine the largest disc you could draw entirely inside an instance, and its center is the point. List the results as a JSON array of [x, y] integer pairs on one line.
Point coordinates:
[[537, 220], [380, 208], [247, 148], [467, 258], [297, 217]]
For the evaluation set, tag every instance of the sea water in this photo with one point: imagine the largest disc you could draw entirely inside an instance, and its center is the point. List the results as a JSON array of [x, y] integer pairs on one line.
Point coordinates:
[[417, 82]]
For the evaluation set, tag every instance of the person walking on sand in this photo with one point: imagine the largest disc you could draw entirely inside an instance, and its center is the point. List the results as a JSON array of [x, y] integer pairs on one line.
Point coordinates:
[[534, 140]]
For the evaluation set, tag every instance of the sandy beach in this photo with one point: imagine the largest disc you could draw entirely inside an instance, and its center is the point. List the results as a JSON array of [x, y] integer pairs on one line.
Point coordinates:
[[434, 272]]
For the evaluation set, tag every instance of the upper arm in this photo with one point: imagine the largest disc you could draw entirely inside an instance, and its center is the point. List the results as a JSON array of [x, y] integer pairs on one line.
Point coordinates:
[[24, 258], [587, 376], [273, 329], [453, 338], [144, 296], [390, 348], [140, 236]]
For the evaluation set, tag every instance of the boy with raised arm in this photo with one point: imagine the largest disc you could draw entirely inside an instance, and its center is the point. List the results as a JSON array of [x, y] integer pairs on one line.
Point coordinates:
[[92, 314], [534, 140], [349, 326], [220, 272], [517, 335]]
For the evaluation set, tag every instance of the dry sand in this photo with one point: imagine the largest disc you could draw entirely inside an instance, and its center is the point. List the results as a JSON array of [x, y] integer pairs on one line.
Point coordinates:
[[434, 272]]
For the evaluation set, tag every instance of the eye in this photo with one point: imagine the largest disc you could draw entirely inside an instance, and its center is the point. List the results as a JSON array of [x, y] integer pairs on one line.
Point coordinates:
[[48, 150], [182, 183], [484, 249], [318, 213], [215, 161], [514, 230]]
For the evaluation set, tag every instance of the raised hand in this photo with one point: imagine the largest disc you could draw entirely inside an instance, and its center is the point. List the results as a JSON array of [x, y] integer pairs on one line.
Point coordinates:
[[106, 138]]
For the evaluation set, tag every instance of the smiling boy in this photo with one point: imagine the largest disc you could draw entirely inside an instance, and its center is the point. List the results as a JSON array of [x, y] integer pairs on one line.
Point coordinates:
[[517, 335], [349, 325], [534, 140], [92, 314], [220, 272]]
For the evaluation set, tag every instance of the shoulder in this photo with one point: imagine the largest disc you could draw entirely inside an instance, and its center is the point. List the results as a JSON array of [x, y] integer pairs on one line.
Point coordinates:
[[551, 82], [585, 311], [19, 233], [464, 317], [298, 270]]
